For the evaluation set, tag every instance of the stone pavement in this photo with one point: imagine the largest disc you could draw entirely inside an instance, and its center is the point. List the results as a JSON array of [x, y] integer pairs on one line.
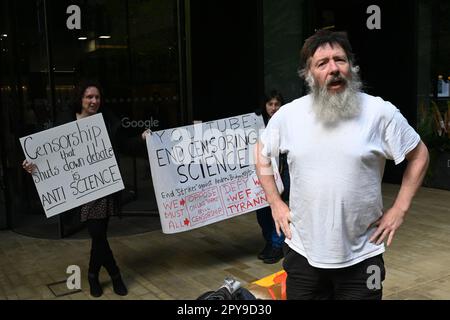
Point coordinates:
[[184, 265]]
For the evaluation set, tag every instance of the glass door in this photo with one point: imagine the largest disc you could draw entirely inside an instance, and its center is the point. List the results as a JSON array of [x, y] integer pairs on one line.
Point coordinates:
[[26, 101]]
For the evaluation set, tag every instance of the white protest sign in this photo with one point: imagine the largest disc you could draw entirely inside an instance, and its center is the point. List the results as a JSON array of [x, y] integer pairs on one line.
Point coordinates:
[[75, 164], [205, 173]]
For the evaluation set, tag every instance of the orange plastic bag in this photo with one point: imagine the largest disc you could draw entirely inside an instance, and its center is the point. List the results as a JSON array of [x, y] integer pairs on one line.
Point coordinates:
[[271, 287]]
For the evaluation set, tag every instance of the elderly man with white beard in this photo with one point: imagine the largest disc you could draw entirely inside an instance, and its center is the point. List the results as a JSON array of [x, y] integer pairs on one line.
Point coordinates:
[[337, 140]]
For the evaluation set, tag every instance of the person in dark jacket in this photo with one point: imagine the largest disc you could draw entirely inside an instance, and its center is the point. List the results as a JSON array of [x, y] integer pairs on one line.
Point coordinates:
[[96, 213], [272, 251]]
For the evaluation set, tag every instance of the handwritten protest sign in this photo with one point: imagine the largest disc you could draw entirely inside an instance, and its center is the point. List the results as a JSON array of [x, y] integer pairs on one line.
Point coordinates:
[[75, 164], [205, 173]]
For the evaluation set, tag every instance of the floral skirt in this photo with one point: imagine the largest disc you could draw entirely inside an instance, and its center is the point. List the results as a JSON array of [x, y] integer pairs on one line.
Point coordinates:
[[98, 209]]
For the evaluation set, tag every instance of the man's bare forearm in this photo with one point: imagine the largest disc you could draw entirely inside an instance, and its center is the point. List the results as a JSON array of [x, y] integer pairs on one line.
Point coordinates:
[[280, 211], [266, 177], [270, 188], [413, 177]]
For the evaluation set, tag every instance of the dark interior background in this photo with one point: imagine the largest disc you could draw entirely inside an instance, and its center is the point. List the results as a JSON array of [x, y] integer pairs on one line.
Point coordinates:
[[228, 75]]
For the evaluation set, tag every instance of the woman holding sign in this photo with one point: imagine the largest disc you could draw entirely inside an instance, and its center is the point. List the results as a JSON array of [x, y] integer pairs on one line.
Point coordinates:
[[272, 251], [96, 213]]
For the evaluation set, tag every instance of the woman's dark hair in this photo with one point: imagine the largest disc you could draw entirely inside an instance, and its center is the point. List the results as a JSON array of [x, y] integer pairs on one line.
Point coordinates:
[[274, 94], [323, 37], [79, 93]]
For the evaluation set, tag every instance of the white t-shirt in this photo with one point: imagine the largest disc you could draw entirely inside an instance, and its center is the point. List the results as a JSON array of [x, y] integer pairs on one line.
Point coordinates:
[[336, 176]]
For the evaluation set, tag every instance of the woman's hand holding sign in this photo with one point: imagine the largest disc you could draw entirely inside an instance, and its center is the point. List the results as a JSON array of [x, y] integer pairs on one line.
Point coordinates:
[[28, 166], [146, 133]]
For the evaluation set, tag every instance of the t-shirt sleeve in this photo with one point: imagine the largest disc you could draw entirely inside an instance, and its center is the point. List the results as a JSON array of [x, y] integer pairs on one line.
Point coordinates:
[[270, 138], [399, 138]]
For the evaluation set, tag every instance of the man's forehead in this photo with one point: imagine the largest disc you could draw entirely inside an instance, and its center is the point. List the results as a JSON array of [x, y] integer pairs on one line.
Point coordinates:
[[328, 49]]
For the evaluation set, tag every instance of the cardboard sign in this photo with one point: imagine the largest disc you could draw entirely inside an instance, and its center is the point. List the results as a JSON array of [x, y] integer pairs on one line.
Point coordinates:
[[205, 173], [75, 164]]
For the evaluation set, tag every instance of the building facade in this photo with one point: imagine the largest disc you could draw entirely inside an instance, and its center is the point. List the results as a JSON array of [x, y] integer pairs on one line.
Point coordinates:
[[166, 63]]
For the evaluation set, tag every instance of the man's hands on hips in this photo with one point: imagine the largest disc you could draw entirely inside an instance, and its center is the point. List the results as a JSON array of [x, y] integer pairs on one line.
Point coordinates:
[[391, 220], [282, 217]]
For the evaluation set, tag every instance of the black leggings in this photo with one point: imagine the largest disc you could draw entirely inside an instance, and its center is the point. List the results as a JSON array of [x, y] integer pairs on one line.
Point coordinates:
[[101, 254]]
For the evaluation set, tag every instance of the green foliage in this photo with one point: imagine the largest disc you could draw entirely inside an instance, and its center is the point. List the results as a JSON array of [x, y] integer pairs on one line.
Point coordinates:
[[428, 131]]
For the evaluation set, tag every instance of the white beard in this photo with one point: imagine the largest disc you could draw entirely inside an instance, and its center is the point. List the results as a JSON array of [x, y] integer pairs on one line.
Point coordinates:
[[330, 108]]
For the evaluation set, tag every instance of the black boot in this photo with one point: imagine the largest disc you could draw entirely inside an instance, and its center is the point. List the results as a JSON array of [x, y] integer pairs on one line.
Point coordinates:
[[275, 255], [94, 284], [265, 252], [118, 285]]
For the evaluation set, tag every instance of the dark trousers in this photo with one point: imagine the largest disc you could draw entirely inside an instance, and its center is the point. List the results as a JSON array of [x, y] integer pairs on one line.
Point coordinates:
[[101, 254], [361, 281], [265, 221]]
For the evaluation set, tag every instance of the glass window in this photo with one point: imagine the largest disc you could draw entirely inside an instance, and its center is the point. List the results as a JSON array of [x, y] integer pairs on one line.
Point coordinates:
[[129, 46], [26, 108], [281, 53]]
